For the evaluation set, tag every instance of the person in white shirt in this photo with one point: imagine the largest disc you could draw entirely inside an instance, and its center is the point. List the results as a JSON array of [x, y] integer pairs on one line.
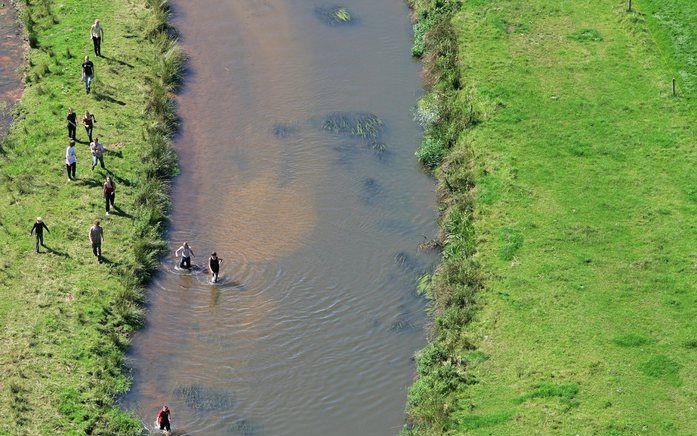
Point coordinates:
[[97, 33], [70, 160], [187, 253]]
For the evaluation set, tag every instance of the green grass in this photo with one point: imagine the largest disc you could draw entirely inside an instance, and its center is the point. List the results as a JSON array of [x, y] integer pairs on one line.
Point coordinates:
[[65, 320], [569, 200]]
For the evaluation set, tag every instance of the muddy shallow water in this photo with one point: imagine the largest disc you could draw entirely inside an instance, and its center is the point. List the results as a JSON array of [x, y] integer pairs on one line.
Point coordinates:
[[312, 328], [11, 58]]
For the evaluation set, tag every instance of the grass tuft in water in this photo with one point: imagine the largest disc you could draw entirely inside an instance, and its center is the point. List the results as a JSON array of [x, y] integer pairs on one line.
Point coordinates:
[[334, 15], [365, 126], [285, 130], [201, 398]]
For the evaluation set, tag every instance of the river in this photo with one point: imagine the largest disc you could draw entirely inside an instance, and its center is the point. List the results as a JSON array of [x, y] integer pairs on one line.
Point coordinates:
[[11, 59], [316, 319]]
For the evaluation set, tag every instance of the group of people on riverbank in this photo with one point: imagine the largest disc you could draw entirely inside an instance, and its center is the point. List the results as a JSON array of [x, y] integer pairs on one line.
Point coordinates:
[[95, 233], [97, 150]]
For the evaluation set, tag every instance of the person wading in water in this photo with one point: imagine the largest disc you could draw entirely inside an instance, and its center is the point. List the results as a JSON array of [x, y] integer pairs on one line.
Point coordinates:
[[187, 254], [214, 266], [163, 418], [38, 228]]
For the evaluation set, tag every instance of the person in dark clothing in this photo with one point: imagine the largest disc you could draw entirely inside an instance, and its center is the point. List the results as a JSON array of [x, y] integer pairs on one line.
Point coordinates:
[[72, 123], [87, 74], [109, 193], [96, 237], [163, 418], [89, 121], [38, 228], [214, 266]]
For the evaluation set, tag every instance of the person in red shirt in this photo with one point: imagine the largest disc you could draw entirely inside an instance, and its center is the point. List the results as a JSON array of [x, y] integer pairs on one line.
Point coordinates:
[[163, 419]]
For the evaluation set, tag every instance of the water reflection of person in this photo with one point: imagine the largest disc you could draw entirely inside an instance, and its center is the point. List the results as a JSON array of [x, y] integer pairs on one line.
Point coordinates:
[[187, 253], [214, 266]]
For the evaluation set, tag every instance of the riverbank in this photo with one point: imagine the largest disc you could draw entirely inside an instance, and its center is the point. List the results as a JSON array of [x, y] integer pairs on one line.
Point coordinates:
[[565, 298], [66, 319]]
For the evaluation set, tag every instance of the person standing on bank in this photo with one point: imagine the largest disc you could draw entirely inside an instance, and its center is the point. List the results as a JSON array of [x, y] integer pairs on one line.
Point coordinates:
[[109, 193], [96, 237], [38, 228], [87, 74], [70, 160], [214, 266], [89, 121], [72, 123], [97, 33], [97, 150], [187, 254]]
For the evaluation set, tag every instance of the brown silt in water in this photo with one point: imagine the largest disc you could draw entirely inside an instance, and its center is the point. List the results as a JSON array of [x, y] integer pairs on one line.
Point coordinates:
[[313, 325]]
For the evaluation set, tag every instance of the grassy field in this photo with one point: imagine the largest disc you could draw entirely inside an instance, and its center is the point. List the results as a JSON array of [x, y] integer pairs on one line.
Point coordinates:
[[566, 300], [64, 318]]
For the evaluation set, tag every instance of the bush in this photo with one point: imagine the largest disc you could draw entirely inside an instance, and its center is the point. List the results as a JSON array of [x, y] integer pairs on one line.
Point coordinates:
[[431, 152]]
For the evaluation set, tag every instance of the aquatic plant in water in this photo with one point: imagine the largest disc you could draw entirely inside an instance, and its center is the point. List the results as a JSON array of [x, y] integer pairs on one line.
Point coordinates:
[[201, 398], [365, 126], [285, 130], [334, 15]]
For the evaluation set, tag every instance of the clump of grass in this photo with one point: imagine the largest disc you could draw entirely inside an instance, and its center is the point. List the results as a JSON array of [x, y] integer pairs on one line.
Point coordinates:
[[586, 35], [470, 421], [432, 151], [29, 27], [690, 344], [566, 392], [365, 126], [158, 20], [663, 367], [631, 340], [511, 240], [334, 15]]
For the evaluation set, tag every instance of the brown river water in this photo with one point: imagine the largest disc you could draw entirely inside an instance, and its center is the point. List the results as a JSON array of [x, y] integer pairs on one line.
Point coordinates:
[[316, 319], [11, 59]]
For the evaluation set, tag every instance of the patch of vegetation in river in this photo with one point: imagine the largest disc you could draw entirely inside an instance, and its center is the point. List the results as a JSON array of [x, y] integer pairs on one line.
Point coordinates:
[[364, 126], [334, 15], [199, 397]]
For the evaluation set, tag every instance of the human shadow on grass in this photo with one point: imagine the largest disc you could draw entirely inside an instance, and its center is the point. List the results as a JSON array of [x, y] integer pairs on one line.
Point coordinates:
[[89, 182], [121, 180], [53, 251], [120, 212], [105, 260], [118, 61], [116, 153], [104, 97]]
